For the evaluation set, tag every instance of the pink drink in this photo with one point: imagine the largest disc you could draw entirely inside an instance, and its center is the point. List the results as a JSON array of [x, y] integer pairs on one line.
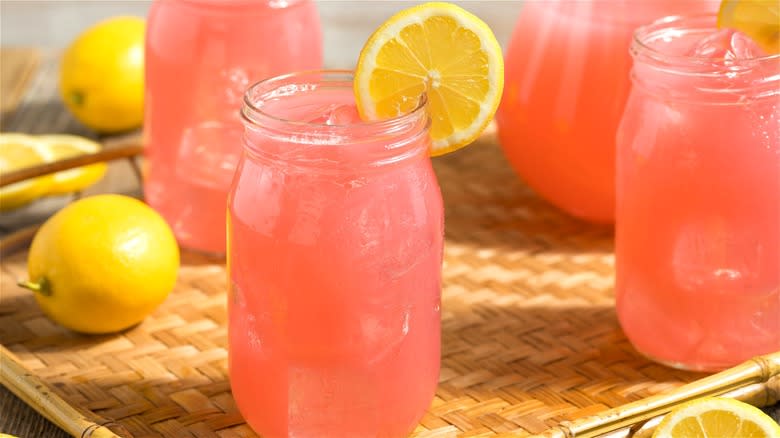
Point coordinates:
[[566, 83], [200, 57], [335, 235], [698, 201]]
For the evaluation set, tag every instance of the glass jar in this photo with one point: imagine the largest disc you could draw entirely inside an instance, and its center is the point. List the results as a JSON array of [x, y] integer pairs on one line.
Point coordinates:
[[335, 237], [567, 80], [200, 57], [698, 198]]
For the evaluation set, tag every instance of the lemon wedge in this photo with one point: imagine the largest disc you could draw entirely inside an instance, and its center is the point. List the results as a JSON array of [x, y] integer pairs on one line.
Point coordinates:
[[443, 51], [19, 151], [715, 418], [68, 146], [758, 19]]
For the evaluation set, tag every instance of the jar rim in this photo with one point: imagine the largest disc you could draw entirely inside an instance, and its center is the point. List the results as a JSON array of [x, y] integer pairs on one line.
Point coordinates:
[[354, 144], [255, 114], [697, 21]]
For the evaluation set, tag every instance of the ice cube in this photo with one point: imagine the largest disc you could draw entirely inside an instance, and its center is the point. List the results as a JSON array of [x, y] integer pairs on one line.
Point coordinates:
[[726, 44], [320, 397], [743, 47], [711, 255], [209, 152], [337, 114], [715, 45], [318, 114], [381, 337], [343, 115], [234, 82]]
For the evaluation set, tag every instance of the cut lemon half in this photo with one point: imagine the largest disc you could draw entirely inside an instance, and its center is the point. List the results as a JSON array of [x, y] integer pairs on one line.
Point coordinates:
[[443, 51], [68, 146], [758, 19], [717, 418], [19, 151]]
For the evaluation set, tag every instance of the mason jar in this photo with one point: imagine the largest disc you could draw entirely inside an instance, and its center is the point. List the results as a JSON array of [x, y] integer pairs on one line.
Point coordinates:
[[335, 234], [200, 57], [698, 197]]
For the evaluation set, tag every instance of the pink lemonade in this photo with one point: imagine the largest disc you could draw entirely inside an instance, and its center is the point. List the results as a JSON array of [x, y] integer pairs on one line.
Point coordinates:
[[200, 57], [698, 197], [566, 83], [334, 254]]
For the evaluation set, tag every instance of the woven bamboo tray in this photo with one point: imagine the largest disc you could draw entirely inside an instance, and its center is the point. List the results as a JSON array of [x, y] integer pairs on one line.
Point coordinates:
[[529, 333]]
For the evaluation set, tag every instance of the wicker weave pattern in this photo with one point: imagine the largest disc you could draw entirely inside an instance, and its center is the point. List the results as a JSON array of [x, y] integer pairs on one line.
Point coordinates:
[[530, 336]]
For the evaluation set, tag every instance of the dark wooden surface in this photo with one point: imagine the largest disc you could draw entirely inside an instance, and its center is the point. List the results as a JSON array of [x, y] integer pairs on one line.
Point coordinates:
[[18, 419]]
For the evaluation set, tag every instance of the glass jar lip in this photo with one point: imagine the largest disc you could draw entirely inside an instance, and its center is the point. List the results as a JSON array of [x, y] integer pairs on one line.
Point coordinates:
[[255, 114], [642, 33]]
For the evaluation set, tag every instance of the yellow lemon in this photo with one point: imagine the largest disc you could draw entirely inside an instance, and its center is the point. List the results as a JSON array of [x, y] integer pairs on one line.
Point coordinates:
[[758, 19], [102, 75], [102, 264], [18, 151], [443, 51], [67, 146], [717, 418]]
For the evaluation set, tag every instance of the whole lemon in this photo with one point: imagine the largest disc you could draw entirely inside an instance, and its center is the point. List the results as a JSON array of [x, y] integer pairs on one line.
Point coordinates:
[[102, 75], [102, 264]]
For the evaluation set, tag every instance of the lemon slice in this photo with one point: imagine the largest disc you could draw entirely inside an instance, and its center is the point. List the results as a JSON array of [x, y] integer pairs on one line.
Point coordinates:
[[758, 19], [439, 49], [18, 151], [68, 146], [717, 417]]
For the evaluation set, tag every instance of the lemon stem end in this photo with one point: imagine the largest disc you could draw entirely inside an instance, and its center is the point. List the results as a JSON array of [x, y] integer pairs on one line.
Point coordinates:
[[41, 287], [77, 98]]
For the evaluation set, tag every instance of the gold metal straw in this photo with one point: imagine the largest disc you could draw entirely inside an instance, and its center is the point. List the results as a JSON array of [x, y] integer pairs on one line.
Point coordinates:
[[756, 381]]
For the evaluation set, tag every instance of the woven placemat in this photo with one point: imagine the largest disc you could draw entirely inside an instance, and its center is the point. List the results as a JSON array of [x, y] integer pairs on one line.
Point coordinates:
[[529, 333]]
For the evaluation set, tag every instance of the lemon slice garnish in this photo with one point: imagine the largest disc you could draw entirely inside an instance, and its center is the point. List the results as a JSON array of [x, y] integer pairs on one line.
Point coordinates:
[[19, 151], [439, 49], [717, 417], [68, 146], [758, 19]]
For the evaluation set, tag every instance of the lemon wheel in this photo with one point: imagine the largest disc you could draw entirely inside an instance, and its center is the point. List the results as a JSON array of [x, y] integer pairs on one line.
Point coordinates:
[[758, 19], [443, 51], [716, 418]]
